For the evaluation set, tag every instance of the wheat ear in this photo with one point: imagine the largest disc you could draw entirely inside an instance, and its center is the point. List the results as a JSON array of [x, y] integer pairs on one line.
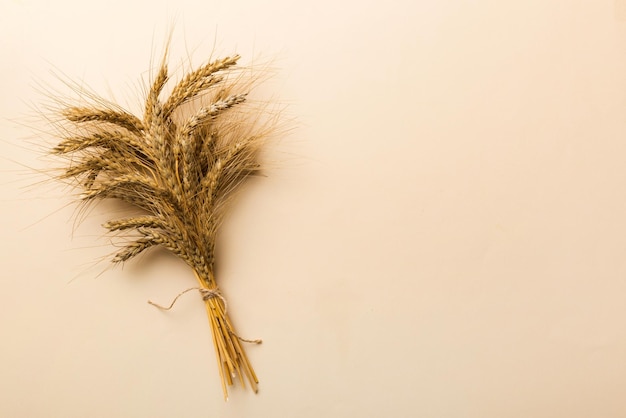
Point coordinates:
[[178, 164]]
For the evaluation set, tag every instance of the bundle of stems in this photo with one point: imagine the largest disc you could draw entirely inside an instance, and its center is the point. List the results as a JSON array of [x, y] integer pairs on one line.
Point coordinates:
[[178, 164]]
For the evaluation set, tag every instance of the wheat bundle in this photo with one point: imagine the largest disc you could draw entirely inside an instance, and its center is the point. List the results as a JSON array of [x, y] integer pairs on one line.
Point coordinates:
[[178, 164]]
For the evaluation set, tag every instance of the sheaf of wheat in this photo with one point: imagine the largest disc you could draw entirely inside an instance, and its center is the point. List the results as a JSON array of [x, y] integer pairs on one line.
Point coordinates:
[[178, 165]]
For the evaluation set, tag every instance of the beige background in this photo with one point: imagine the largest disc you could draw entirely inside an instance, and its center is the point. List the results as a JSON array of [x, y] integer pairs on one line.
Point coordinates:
[[442, 235]]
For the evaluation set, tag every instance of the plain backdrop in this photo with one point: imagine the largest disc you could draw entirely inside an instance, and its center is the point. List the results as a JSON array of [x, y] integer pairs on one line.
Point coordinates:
[[441, 234]]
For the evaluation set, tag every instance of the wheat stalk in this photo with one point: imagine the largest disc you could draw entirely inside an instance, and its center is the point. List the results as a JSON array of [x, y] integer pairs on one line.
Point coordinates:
[[178, 164]]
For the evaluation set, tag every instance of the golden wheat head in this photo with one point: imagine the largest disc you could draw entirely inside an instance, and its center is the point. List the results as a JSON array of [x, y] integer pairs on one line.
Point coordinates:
[[178, 164]]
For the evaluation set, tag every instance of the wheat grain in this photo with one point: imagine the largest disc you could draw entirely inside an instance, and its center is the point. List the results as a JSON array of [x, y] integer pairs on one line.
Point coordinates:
[[136, 222], [196, 82], [121, 119]]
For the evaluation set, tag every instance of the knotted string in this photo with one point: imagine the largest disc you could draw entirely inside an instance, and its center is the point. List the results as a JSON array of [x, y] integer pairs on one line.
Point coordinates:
[[206, 295], [204, 292]]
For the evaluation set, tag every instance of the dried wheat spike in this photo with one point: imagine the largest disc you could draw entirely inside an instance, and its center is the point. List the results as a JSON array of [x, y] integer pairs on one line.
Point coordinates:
[[178, 164]]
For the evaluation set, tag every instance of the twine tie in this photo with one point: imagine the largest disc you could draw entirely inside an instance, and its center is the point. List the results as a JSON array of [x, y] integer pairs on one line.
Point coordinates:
[[206, 295]]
